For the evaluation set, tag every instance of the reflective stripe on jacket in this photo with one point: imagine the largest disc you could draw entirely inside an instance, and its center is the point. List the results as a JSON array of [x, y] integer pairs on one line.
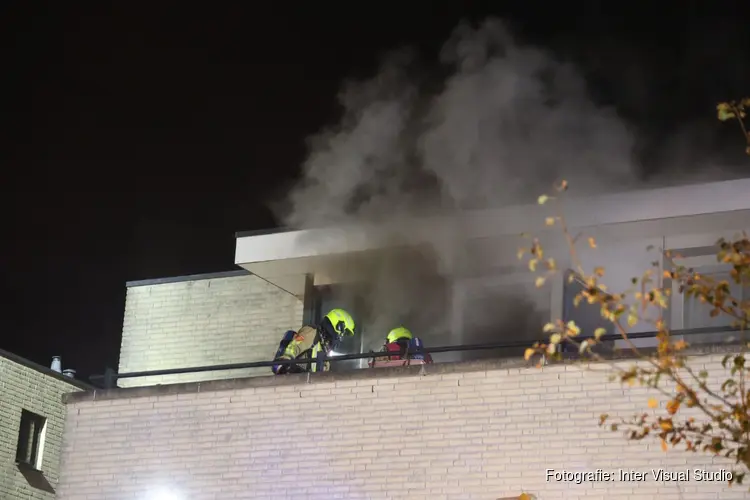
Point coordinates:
[[306, 343]]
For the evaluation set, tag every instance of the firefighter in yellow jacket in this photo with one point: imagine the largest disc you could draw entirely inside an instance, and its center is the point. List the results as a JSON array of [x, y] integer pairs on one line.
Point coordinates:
[[309, 341]]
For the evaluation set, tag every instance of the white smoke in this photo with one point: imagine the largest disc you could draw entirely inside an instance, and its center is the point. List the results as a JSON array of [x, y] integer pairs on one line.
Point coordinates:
[[504, 124], [507, 122]]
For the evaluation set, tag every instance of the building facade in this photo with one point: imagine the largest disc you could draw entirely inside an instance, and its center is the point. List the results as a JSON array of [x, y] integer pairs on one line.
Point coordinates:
[[32, 416], [474, 430], [468, 429], [471, 288]]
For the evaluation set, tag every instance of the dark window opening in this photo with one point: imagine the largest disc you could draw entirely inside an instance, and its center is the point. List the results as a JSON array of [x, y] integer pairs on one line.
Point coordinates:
[[345, 297], [504, 313], [375, 314], [30, 435]]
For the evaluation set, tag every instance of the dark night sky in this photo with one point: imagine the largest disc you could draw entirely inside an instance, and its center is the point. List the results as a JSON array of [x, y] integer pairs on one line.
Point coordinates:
[[140, 136]]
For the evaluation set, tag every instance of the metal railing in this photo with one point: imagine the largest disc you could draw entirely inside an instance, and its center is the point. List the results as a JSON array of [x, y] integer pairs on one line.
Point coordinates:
[[109, 378]]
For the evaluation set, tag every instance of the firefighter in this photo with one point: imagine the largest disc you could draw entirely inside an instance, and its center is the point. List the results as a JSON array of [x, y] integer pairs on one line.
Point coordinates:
[[309, 341], [401, 339]]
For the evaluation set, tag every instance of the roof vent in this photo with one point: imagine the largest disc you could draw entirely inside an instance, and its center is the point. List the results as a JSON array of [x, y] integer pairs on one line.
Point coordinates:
[[56, 365], [69, 372]]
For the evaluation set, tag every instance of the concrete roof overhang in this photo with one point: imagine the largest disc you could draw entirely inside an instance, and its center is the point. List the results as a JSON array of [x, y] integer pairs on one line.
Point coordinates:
[[282, 257]]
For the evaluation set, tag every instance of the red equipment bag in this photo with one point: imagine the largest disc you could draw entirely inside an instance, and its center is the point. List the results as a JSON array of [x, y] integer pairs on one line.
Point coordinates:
[[395, 348]]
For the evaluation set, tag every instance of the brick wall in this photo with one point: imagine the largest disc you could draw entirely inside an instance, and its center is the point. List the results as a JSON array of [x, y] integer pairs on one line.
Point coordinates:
[[22, 387], [230, 319], [459, 431]]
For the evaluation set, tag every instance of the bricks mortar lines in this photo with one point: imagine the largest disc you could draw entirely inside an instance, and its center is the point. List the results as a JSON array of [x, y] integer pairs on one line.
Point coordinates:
[[462, 431], [26, 388], [204, 322]]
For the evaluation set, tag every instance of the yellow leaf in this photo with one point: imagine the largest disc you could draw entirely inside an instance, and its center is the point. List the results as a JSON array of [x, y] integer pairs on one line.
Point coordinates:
[[666, 425], [592, 242], [548, 327], [599, 271], [539, 282], [673, 406], [664, 446], [632, 319], [532, 265], [527, 355], [543, 199], [555, 338], [573, 329], [653, 403], [725, 111], [550, 221], [525, 496], [521, 252], [599, 332], [584, 345]]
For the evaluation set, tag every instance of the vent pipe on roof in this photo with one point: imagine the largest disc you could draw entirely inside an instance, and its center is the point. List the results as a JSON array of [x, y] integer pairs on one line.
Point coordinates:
[[69, 372], [56, 365]]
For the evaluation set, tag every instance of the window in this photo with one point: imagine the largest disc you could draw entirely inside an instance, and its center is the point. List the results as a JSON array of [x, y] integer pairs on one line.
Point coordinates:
[[697, 314], [688, 312], [31, 439], [587, 317]]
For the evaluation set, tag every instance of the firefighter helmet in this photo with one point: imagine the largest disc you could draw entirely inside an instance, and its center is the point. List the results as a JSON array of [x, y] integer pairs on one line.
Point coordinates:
[[341, 322], [399, 333]]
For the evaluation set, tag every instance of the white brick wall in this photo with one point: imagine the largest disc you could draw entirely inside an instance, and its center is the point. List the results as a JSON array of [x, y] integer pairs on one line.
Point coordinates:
[[451, 434], [24, 388], [204, 322]]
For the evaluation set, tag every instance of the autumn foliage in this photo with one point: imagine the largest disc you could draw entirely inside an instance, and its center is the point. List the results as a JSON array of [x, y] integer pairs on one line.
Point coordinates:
[[695, 416], [719, 420], [736, 110]]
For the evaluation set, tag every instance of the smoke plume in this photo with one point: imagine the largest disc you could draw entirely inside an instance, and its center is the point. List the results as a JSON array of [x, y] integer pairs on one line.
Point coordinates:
[[502, 123]]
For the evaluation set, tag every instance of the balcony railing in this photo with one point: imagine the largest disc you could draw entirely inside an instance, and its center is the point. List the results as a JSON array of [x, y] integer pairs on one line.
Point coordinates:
[[109, 379]]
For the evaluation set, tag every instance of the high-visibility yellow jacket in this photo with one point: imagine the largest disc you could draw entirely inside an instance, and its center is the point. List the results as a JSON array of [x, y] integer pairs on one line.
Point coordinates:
[[305, 344]]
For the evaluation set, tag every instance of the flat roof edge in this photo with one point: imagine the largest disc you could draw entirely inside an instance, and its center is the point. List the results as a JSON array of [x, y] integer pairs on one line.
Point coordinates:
[[45, 371], [635, 196], [189, 277], [302, 379], [264, 232]]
